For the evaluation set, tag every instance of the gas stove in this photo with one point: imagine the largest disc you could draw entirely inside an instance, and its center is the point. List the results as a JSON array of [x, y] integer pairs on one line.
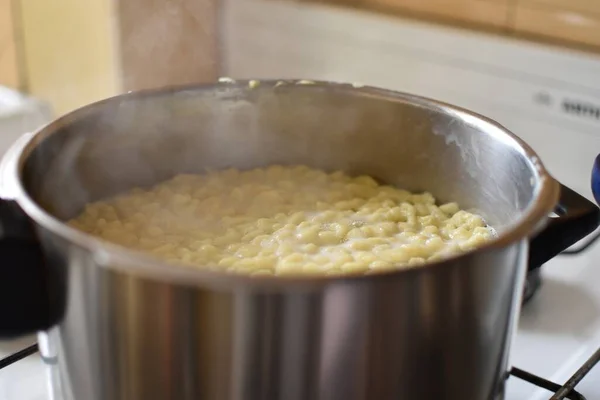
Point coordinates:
[[549, 98]]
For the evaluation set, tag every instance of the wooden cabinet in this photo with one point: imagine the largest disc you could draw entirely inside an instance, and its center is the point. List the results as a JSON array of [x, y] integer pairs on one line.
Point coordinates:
[[9, 67], [493, 13], [585, 6], [69, 49], [577, 22], [78, 51], [567, 23]]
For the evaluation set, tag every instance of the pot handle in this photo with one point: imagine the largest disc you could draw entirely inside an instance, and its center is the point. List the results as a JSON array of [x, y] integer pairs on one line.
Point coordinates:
[[576, 217], [29, 299], [26, 304]]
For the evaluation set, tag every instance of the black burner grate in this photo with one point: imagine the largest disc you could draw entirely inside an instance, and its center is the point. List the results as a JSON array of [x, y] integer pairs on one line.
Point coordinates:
[[19, 355], [564, 392]]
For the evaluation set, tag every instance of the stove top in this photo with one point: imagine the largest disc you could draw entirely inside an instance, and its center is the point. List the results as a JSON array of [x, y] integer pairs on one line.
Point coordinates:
[[557, 347]]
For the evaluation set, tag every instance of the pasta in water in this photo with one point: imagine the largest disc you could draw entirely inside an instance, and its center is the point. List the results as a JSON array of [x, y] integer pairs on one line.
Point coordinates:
[[284, 221]]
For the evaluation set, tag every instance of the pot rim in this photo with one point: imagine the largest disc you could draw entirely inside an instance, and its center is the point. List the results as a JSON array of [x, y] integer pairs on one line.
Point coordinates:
[[118, 257]]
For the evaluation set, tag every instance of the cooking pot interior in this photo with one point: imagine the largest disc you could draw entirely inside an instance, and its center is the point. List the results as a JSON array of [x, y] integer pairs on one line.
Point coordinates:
[[144, 138]]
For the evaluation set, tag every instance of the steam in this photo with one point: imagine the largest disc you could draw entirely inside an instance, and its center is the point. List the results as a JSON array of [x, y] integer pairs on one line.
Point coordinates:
[[166, 43]]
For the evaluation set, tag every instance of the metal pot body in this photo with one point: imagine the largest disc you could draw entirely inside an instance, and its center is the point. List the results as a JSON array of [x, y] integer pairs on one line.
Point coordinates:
[[440, 334], [126, 326]]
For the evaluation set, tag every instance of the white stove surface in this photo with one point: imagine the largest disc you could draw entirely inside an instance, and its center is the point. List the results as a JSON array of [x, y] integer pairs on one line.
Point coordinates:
[[25, 379], [560, 328]]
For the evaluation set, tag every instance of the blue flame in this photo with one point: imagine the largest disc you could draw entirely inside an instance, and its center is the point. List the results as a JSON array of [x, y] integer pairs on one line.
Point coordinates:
[[596, 179]]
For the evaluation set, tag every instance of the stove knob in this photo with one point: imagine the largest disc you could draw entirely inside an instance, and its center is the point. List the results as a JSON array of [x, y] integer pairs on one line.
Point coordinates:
[[596, 179]]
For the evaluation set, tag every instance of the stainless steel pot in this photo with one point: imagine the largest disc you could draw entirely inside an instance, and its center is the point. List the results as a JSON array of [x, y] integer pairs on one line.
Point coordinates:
[[121, 325]]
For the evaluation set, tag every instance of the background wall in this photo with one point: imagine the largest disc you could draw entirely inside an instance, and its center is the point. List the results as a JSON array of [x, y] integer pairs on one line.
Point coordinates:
[[73, 52]]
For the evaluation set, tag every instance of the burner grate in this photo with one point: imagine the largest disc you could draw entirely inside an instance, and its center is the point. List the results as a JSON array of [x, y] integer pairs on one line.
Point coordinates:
[[564, 392], [19, 355]]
